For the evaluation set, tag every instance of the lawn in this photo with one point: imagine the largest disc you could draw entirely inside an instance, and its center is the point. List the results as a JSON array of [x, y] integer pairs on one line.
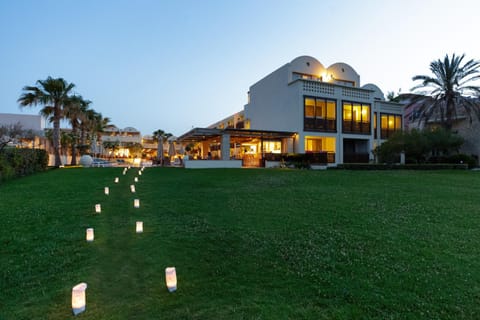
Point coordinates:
[[246, 244]]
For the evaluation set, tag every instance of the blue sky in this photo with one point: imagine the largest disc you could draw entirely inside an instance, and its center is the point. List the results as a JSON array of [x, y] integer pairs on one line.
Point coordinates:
[[174, 65]]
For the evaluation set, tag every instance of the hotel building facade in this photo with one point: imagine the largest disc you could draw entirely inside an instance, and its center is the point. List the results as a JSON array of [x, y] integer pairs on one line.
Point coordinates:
[[305, 107]]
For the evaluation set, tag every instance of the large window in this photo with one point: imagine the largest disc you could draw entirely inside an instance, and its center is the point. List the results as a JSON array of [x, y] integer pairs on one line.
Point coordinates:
[[320, 114], [356, 118], [389, 124]]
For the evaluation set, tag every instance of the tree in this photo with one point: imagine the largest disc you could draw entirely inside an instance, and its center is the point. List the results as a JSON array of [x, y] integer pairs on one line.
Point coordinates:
[[10, 133], [448, 92], [160, 136], [53, 94], [75, 109]]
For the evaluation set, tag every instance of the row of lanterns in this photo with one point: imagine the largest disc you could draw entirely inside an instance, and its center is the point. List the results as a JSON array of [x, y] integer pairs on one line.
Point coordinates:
[[79, 291]]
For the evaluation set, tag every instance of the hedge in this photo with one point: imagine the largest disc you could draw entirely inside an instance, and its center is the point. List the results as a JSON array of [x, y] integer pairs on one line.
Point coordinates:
[[16, 162]]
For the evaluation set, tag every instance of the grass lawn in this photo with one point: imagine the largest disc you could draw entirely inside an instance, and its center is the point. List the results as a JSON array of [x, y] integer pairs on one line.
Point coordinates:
[[246, 244]]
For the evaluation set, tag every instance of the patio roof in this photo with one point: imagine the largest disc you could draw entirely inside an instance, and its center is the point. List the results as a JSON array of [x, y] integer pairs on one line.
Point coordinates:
[[201, 134]]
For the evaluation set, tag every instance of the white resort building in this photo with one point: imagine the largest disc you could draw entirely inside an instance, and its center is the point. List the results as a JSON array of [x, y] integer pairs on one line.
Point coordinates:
[[304, 108]]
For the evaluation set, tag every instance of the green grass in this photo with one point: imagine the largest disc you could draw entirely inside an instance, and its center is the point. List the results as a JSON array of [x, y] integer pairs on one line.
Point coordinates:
[[247, 244]]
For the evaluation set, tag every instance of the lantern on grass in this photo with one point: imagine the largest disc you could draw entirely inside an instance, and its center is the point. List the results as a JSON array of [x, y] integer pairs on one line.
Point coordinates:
[[79, 298], [107, 191], [171, 278], [98, 208], [139, 227], [132, 188], [136, 203], [90, 234], [135, 179], [139, 173], [116, 180]]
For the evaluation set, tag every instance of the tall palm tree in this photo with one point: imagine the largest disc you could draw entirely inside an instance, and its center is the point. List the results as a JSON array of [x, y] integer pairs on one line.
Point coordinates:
[[53, 94], [448, 92], [160, 136], [75, 109]]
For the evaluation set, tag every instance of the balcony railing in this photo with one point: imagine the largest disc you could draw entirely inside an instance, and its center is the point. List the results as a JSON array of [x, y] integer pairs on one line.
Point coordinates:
[[356, 158]]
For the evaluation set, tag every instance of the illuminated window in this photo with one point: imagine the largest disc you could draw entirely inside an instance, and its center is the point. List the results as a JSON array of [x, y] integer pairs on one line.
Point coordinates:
[[319, 114], [356, 118], [389, 124], [322, 149]]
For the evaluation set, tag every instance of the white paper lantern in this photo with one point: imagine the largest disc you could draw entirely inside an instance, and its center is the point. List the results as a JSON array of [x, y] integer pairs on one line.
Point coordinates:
[[98, 208], [171, 278], [139, 227], [116, 180], [107, 191], [79, 298], [136, 203], [132, 188], [139, 173], [90, 234], [135, 179]]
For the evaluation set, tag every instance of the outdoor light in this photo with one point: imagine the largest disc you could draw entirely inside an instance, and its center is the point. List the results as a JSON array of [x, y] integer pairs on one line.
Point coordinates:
[[107, 191], [136, 203], [78, 298], [132, 188], [171, 278], [90, 235], [116, 180], [98, 207], [136, 179], [140, 173], [139, 227]]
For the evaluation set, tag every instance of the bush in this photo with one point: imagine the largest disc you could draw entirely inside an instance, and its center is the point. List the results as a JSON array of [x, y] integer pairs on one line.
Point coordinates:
[[21, 162]]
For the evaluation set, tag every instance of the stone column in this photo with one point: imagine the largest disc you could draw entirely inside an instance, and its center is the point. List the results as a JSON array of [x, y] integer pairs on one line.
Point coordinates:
[[225, 146]]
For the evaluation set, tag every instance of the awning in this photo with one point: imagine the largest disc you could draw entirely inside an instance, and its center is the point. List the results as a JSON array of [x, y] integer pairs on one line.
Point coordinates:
[[202, 134]]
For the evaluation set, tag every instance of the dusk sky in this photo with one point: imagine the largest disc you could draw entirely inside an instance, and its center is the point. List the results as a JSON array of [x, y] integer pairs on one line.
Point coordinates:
[[174, 65]]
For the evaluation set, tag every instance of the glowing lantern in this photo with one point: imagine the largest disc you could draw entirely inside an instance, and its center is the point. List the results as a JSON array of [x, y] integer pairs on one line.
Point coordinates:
[[98, 208], [139, 173], [171, 278], [136, 179], [78, 298], [132, 188], [116, 180], [139, 227], [107, 191], [90, 235], [136, 203]]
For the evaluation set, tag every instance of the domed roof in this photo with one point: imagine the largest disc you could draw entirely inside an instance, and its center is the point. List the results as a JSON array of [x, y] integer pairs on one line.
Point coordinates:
[[377, 93], [343, 72], [130, 129], [307, 65]]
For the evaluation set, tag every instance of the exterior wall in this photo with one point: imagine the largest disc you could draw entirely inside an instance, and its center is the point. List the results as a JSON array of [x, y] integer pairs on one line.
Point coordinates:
[[273, 103], [210, 164], [28, 122]]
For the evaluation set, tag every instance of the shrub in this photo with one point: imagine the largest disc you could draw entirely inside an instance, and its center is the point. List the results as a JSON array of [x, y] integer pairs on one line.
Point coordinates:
[[20, 162]]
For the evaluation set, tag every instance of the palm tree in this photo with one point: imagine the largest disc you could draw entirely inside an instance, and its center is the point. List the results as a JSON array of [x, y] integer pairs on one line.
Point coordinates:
[[53, 94], [160, 136], [449, 91], [75, 109]]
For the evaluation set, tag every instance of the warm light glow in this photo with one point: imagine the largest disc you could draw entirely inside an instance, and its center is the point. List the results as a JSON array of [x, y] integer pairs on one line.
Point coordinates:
[[116, 180], [136, 203], [79, 298], [98, 208], [132, 188], [139, 227], [171, 278], [136, 179], [140, 173], [90, 235], [107, 191]]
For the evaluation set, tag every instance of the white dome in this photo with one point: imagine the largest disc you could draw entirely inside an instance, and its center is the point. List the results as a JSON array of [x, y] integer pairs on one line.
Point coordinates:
[[342, 72], [307, 65], [377, 93]]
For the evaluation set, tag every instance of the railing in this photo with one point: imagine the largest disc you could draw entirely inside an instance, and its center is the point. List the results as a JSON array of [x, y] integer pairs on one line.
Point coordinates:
[[356, 158], [323, 157], [322, 88], [316, 124]]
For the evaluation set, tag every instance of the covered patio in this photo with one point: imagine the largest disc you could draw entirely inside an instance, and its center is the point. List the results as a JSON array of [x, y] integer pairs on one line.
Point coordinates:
[[214, 148]]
